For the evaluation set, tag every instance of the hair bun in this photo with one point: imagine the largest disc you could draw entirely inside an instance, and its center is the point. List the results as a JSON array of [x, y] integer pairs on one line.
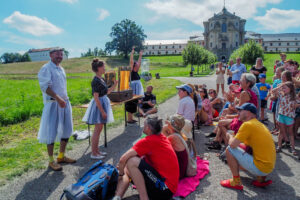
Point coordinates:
[[95, 60]]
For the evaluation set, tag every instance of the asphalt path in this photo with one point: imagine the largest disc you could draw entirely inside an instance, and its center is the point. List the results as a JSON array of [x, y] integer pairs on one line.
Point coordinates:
[[47, 184]]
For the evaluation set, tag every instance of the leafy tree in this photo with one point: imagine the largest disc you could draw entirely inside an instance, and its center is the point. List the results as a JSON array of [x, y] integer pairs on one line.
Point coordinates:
[[14, 57], [25, 57], [248, 52], [125, 35], [109, 47], [66, 53], [190, 55]]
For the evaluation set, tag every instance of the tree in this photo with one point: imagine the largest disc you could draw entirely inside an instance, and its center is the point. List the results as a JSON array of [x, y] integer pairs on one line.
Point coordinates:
[[249, 52], [125, 35], [190, 55], [14, 57], [66, 53]]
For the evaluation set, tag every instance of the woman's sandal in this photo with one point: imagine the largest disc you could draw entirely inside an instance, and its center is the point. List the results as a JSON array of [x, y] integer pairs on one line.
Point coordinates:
[[294, 152], [278, 149]]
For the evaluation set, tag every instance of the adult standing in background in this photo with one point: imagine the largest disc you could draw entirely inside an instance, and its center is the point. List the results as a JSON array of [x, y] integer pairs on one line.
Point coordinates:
[[56, 123], [135, 85], [237, 70], [258, 68], [228, 72], [220, 71]]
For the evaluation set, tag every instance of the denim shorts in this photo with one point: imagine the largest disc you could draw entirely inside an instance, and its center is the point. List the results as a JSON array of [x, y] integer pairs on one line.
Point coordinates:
[[245, 160], [285, 120]]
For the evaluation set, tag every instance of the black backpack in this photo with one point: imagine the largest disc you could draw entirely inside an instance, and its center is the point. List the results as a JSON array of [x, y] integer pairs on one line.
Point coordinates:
[[99, 182]]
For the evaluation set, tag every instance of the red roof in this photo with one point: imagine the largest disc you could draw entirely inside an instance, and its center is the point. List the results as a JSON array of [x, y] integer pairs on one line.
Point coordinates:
[[39, 50]]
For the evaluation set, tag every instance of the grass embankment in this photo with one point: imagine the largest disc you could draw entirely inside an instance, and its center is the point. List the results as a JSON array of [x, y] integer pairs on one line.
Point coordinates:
[[20, 150], [269, 62]]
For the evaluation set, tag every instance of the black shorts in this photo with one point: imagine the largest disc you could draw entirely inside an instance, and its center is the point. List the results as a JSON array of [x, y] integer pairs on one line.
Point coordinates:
[[131, 106], [263, 103], [156, 188]]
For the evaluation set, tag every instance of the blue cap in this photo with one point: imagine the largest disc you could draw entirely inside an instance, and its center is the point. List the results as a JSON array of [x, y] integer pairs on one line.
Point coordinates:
[[248, 106], [262, 75], [185, 87]]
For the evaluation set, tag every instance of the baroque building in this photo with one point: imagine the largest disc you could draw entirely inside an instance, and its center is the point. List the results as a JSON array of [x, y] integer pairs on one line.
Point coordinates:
[[223, 33]]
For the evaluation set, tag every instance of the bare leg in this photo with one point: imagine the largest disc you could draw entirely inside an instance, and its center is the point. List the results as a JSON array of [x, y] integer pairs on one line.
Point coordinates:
[[130, 116], [218, 85], [274, 120], [50, 148], [137, 177], [290, 132], [141, 111], [281, 134], [152, 111], [262, 113], [222, 87], [62, 147], [123, 183], [95, 139], [232, 163]]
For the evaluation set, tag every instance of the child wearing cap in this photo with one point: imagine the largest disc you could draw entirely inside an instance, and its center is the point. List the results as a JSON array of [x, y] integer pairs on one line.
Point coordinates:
[[263, 89]]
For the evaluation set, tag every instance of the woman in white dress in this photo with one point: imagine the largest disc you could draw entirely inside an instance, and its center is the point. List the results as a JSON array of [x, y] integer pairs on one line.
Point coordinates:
[[220, 71]]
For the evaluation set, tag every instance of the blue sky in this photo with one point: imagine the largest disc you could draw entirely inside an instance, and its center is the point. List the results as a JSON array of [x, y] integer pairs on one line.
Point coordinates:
[[81, 24]]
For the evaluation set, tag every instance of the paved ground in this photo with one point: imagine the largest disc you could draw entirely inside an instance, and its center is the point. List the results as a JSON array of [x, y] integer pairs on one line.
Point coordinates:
[[46, 184]]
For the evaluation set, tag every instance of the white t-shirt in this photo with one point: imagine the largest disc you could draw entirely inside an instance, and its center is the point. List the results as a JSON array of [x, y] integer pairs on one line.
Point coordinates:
[[186, 108]]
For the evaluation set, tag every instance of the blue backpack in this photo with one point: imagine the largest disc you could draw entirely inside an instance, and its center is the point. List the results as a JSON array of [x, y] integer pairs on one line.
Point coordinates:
[[99, 182]]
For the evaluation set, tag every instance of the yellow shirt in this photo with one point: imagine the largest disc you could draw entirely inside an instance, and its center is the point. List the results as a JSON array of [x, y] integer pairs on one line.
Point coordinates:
[[256, 135]]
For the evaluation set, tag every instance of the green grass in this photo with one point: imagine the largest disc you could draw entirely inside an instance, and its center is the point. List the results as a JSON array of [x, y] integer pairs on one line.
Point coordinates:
[[165, 59], [269, 63], [20, 150]]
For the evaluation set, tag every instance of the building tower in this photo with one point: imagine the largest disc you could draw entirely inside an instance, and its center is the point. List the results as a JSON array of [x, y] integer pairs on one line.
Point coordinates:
[[223, 33]]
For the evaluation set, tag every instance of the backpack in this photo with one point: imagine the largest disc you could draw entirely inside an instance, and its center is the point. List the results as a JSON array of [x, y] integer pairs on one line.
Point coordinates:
[[99, 182], [192, 163]]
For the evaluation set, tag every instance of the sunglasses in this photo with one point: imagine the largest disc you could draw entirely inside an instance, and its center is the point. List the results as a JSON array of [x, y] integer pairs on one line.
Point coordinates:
[[210, 92], [201, 91]]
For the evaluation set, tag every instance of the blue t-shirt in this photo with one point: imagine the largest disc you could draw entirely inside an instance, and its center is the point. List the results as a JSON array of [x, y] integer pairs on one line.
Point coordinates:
[[238, 70], [276, 83], [263, 89]]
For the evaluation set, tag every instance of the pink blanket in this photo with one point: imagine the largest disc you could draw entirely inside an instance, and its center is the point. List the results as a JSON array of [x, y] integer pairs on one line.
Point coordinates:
[[189, 184]]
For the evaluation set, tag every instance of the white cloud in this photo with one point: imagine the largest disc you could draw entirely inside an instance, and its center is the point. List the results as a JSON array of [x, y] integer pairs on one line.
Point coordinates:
[[198, 11], [12, 38], [69, 1], [102, 14], [172, 34], [278, 20], [31, 24]]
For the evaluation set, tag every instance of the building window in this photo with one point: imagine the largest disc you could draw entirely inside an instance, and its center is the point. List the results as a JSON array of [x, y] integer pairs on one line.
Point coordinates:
[[146, 47], [179, 46], [266, 48], [223, 45], [211, 36], [152, 47], [276, 49], [159, 47], [236, 44], [271, 44], [173, 46], [166, 52], [288, 44], [279, 44], [237, 24], [263, 44], [287, 49], [224, 28], [175, 51], [296, 43], [211, 44], [166, 47], [158, 52]]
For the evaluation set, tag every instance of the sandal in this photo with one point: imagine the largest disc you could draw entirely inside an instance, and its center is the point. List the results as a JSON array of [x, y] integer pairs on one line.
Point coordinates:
[[278, 149], [294, 152]]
